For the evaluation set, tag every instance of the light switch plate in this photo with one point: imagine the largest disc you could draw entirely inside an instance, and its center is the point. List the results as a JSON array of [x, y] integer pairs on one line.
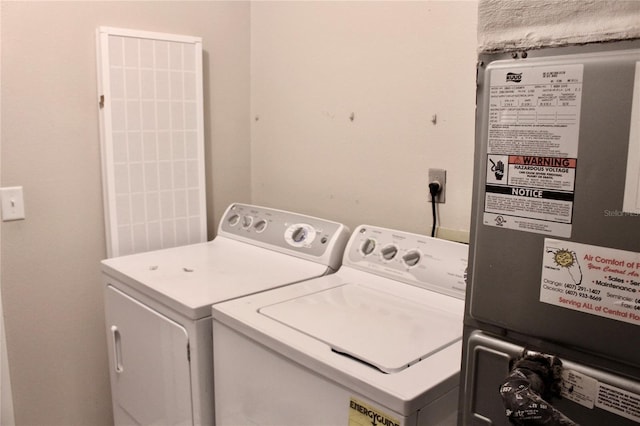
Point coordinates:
[[12, 203]]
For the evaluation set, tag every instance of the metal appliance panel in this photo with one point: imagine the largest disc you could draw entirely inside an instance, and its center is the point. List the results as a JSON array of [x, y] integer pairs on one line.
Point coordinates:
[[507, 265], [489, 363]]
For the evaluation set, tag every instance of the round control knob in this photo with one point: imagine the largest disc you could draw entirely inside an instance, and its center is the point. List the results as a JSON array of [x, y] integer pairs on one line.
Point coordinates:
[[389, 252], [247, 221], [260, 226], [233, 219], [411, 258], [298, 235], [368, 246]]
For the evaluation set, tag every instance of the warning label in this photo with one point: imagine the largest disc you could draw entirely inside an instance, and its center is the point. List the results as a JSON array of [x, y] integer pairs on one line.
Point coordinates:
[[362, 414], [532, 146], [543, 172]]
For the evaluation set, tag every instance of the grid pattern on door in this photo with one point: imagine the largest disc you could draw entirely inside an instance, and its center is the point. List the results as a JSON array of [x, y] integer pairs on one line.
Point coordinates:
[[152, 139]]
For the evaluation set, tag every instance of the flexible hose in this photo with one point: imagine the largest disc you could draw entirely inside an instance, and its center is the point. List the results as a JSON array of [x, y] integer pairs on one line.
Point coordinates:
[[533, 381]]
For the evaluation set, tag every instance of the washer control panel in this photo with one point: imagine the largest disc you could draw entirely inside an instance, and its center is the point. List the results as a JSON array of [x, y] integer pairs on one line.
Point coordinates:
[[284, 231], [412, 258]]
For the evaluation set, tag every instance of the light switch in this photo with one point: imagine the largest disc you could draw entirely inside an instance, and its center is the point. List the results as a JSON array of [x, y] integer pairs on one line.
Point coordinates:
[[12, 203]]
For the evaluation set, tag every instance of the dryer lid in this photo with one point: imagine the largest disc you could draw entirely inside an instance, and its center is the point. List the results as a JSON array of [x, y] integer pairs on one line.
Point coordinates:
[[386, 331]]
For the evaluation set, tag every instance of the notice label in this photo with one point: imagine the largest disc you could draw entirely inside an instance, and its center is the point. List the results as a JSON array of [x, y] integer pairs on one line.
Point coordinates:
[[618, 401], [591, 279], [362, 414], [590, 393], [532, 148]]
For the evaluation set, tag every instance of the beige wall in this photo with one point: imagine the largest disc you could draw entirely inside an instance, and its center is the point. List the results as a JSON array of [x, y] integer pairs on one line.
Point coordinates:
[[51, 289], [393, 65]]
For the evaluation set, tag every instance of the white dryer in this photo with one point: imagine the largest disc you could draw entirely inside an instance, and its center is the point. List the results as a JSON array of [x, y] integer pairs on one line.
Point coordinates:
[[377, 343], [158, 306]]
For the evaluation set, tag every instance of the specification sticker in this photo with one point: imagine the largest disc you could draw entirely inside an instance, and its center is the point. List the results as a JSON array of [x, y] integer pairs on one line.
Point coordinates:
[[578, 388], [362, 414], [532, 148], [591, 279]]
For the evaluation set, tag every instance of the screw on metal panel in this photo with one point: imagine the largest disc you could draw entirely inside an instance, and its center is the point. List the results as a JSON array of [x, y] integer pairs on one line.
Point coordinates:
[[514, 55], [524, 55]]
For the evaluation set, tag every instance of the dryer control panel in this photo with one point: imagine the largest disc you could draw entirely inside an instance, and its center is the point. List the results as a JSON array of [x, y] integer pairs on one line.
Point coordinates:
[[419, 260], [304, 236]]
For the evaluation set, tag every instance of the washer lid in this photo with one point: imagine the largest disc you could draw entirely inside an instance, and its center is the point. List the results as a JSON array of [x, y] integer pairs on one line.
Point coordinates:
[[383, 330]]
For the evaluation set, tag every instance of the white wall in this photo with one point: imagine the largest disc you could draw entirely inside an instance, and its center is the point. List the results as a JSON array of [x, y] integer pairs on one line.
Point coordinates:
[[393, 65], [51, 288]]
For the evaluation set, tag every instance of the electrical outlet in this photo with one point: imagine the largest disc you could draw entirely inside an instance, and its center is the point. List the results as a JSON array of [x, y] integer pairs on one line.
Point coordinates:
[[440, 176]]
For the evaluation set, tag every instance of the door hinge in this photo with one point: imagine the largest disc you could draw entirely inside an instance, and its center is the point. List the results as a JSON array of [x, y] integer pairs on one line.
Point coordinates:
[[101, 101]]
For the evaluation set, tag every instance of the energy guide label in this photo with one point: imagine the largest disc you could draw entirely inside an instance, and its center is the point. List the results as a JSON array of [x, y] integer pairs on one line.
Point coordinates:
[[363, 414], [532, 148]]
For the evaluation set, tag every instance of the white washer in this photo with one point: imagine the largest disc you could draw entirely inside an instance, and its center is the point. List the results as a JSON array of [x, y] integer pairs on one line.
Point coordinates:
[[158, 306], [377, 343]]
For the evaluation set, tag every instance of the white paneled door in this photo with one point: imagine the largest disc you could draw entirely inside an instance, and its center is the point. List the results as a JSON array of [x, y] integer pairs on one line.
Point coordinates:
[[152, 136]]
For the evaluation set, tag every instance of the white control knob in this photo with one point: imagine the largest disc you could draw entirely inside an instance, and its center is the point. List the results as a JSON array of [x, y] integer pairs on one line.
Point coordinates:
[[411, 258], [300, 235], [247, 221], [260, 226], [389, 252], [368, 246], [233, 219]]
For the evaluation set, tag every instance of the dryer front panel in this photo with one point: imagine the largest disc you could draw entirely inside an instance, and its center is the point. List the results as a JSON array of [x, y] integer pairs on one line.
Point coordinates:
[[149, 364]]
